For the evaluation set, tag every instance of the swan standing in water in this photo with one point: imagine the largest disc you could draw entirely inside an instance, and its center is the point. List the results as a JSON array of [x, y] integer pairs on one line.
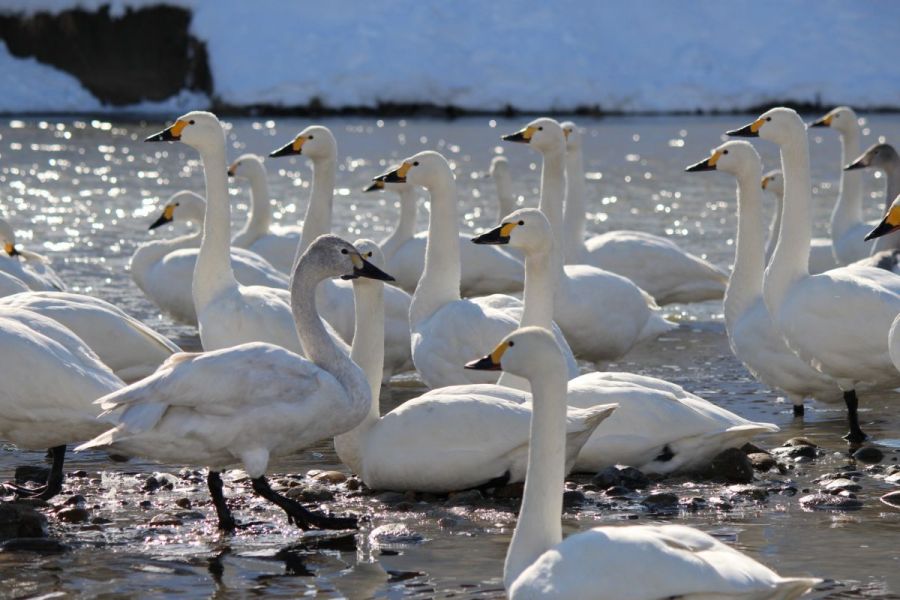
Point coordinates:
[[886, 252], [49, 380], [647, 562], [445, 328], [164, 269], [30, 268], [603, 315], [278, 245], [483, 270], [848, 229], [655, 264], [837, 321], [336, 297], [753, 337], [127, 346], [448, 439], [659, 427], [253, 402], [821, 255], [228, 313]]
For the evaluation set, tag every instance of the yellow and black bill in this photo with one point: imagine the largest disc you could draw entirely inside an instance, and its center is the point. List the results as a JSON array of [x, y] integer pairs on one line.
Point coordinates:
[[11, 249], [708, 164], [889, 224], [496, 236], [374, 186], [397, 175], [522, 136], [363, 268], [749, 130], [489, 362], [167, 216], [823, 122], [169, 134]]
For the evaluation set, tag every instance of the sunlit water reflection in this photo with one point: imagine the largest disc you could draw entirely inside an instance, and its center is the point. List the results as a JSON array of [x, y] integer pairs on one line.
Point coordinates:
[[84, 193]]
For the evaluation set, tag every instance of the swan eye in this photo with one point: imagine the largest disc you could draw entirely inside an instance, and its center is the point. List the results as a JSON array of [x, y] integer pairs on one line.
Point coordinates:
[[191, 122], [541, 128], [416, 163], [369, 254], [724, 151], [511, 343], [178, 204], [521, 222], [309, 137], [343, 251], [768, 118]]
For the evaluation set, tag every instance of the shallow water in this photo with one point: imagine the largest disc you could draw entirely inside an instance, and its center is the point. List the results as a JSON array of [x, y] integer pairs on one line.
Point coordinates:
[[84, 193]]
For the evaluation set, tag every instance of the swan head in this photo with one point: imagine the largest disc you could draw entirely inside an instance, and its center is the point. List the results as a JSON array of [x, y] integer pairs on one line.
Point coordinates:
[[372, 253], [247, 166], [527, 229], [878, 156], [330, 256], [198, 129], [8, 238], [842, 118], [737, 157], [779, 125], [573, 135], [499, 167], [889, 224], [182, 205], [528, 352], [428, 169], [544, 134], [773, 181], [316, 142]]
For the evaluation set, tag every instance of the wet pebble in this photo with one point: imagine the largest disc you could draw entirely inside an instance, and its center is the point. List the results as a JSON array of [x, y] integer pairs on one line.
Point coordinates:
[[869, 455], [353, 484], [749, 491], [27, 473], [627, 477], [619, 491], [693, 503], [821, 501], [892, 499], [894, 478], [190, 515], [572, 498], [78, 474], [18, 520], [310, 493], [183, 503], [719, 503], [390, 497], [145, 504], [163, 519], [34, 544], [731, 465], [332, 477], [799, 441], [464, 498], [395, 534], [75, 514], [75, 500], [762, 461], [100, 521], [660, 501], [796, 451], [837, 485]]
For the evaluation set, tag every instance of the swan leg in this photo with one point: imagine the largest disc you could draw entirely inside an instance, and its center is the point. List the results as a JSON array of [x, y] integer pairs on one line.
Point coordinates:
[[303, 518], [799, 408], [54, 480], [856, 435], [226, 521]]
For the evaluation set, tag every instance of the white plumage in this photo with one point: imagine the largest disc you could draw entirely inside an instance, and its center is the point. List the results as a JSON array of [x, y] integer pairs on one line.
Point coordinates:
[[30, 268]]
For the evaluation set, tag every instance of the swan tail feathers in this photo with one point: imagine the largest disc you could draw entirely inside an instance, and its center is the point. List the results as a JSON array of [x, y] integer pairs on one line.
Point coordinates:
[[590, 418], [142, 417], [104, 440], [790, 588]]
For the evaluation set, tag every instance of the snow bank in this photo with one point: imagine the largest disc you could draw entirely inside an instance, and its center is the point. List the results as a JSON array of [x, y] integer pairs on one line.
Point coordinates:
[[34, 87], [652, 55]]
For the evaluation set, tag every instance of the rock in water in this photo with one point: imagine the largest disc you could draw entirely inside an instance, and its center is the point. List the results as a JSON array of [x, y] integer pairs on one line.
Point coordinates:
[[21, 521], [869, 455], [731, 465]]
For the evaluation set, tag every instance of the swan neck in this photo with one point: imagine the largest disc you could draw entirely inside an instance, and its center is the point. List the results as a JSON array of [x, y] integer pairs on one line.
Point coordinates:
[[506, 200], [150, 253], [368, 353], [848, 210], [745, 283], [774, 228], [790, 260], [575, 206], [212, 272], [892, 189], [260, 217], [318, 214], [439, 283], [406, 224], [538, 528]]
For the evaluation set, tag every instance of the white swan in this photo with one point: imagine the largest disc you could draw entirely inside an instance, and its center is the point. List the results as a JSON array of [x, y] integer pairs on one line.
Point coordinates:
[[253, 402], [886, 252], [49, 380], [649, 562], [821, 255], [602, 314], [448, 439], [656, 264], [164, 269], [753, 337], [10, 284], [127, 346], [278, 245], [658, 427], [484, 270], [499, 172], [848, 228], [336, 297], [837, 321], [30, 268], [228, 313], [445, 328]]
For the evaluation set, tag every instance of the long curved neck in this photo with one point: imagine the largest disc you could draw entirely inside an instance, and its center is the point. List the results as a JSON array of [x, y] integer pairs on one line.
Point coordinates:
[[574, 213], [745, 283], [791, 259], [321, 349], [538, 528], [368, 353], [439, 283], [552, 191], [506, 200], [406, 225], [892, 189], [848, 209], [212, 272], [260, 217], [150, 253], [774, 227], [537, 298], [318, 214]]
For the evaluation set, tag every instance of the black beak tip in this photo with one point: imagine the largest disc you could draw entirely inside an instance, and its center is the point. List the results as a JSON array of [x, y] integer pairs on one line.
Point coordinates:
[[159, 222], [482, 364], [703, 165], [286, 150], [854, 166], [744, 131], [818, 123], [492, 237]]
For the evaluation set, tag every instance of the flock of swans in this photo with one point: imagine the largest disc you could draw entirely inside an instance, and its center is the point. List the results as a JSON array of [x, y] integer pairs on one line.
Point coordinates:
[[300, 328]]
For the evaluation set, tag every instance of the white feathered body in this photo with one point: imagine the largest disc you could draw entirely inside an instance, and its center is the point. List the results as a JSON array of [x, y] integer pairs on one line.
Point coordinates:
[[33, 270]]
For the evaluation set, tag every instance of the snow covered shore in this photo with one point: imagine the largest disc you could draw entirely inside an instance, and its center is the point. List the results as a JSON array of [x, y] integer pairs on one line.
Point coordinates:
[[646, 56]]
